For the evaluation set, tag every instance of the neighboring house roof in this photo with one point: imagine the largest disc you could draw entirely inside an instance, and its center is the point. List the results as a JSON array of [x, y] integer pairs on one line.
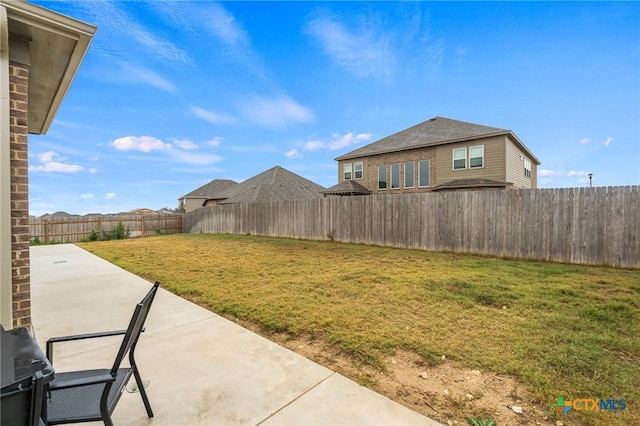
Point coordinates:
[[435, 131], [57, 45], [471, 183], [214, 190], [347, 187], [274, 184]]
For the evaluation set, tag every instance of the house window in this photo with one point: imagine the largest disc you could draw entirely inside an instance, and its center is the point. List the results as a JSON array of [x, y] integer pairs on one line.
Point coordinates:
[[476, 156], [382, 177], [346, 171], [395, 176], [527, 168], [459, 158], [358, 170], [423, 173], [409, 174]]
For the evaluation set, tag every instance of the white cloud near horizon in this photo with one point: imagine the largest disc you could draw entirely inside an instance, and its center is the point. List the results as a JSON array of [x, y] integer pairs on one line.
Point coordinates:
[[215, 141], [572, 173], [275, 113], [337, 141], [608, 141], [110, 195], [198, 158], [550, 173], [584, 140], [140, 143], [51, 162], [87, 196]]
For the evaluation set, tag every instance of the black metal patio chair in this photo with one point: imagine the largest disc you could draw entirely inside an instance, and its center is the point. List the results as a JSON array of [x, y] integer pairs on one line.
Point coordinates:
[[92, 395]]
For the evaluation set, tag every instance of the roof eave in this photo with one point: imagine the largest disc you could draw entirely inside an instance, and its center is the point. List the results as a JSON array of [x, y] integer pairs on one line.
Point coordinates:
[[67, 41]]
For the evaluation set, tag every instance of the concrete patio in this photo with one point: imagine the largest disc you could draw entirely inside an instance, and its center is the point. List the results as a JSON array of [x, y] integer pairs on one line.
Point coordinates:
[[202, 369]]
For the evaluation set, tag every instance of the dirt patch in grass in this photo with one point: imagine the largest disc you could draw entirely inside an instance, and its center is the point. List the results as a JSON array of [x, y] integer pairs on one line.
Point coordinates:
[[447, 393]]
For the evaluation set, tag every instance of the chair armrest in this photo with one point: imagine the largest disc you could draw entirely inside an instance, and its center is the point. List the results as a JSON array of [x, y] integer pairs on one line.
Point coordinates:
[[53, 340], [82, 381]]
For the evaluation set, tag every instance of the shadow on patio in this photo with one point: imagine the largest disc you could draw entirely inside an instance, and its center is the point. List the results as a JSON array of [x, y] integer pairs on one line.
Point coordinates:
[[201, 368]]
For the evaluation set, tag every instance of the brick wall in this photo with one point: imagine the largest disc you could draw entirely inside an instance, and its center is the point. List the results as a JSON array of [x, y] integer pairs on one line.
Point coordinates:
[[18, 121]]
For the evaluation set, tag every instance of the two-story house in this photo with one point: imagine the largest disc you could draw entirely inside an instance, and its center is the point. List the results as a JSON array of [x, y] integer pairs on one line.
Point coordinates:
[[438, 154]]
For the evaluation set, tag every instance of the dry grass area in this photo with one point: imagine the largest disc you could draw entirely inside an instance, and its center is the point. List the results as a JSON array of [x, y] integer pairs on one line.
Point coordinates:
[[419, 326]]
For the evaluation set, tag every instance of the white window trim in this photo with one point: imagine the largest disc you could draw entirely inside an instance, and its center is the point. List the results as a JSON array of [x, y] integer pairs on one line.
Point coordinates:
[[344, 171], [453, 161], [355, 167], [476, 167], [425, 186]]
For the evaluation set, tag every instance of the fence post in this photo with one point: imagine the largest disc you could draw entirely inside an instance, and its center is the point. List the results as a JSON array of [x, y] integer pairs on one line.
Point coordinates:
[[46, 230], [142, 225]]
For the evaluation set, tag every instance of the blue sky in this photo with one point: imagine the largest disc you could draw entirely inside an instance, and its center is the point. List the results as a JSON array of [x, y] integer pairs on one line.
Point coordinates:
[[174, 94]]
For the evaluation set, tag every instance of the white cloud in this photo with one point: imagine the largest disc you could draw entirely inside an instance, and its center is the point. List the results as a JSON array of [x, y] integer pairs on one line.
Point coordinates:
[[213, 117], [196, 158], [608, 141], [87, 196], [225, 27], [215, 141], [292, 153], [110, 195], [338, 141], [137, 74], [139, 143], [365, 52], [584, 140], [577, 173], [275, 113], [51, 162], [184, 144], [549, 173], [93, 170]]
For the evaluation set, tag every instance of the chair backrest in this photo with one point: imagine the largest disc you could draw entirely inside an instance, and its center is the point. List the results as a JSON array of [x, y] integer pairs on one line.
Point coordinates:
[[135, 327]]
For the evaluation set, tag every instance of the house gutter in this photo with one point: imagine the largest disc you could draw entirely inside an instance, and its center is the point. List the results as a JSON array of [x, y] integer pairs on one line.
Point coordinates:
[[6, 310]]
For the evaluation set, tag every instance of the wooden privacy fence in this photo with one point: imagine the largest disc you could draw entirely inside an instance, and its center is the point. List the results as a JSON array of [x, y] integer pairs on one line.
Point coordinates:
[[73, 229], [598, 226]]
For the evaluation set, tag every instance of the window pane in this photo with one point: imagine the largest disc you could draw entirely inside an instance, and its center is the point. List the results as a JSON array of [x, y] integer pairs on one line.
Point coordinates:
[[408, 174], [347, 171], [476, 154], [358, 170], [460, 158], [382, 177], [395, 175], [424, 173]]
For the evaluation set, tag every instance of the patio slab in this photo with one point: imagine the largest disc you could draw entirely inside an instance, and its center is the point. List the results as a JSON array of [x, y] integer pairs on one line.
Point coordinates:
[[202, 369]]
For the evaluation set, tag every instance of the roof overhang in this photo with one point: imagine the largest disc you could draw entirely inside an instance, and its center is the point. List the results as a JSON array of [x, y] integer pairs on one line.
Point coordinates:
[[471, 184], [56, 46]]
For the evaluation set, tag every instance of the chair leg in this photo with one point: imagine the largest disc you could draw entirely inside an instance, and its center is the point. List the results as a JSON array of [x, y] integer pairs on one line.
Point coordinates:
[[143, 392]]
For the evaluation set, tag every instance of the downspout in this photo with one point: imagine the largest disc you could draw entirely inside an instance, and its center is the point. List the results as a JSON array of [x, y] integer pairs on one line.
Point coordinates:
[[6, 296]]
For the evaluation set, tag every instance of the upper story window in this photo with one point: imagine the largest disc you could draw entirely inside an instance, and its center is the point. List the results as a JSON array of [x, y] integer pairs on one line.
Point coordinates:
[[358, 170], [409, 175], [423, 173], [476, 156], [527, 168], [395, 176], [346, 171], [459, 158], [382, 177]]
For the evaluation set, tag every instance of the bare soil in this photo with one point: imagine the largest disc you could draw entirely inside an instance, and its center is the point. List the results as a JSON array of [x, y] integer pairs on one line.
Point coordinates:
[[446, 393]]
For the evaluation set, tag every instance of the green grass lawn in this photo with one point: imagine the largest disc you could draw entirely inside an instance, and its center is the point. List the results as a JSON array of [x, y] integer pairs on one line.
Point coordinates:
[[567, 330]]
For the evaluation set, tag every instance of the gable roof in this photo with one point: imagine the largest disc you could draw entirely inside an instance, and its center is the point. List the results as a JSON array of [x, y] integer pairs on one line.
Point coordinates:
[[435, 131], [347, 187], [274, 184], [213, 190], [471, 183]]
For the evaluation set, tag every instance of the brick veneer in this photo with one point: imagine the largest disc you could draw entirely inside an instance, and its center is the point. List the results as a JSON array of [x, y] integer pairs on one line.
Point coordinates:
[[20, 264]]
